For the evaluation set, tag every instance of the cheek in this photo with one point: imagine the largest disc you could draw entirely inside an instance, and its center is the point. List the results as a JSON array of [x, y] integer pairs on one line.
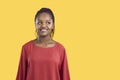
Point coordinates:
[[50, 26], [37, 27]]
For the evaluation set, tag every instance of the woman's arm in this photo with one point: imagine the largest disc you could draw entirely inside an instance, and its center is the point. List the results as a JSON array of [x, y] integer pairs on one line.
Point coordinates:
[[22, 68], [64, 71]]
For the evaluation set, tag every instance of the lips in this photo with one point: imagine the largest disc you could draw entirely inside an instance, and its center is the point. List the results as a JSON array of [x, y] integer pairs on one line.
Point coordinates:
[[43, 29]]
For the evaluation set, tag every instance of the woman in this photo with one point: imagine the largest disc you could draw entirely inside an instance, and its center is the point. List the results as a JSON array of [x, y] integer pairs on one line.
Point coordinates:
[[43, 58]]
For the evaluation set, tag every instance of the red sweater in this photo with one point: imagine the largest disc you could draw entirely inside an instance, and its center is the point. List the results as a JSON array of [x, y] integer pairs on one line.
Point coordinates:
[[37, 63]]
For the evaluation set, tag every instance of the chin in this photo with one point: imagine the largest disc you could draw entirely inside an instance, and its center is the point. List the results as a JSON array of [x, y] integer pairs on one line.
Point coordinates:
[[43, 35]]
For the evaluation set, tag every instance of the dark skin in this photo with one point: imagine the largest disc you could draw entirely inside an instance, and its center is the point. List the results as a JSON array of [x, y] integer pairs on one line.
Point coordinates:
[[44, 25]]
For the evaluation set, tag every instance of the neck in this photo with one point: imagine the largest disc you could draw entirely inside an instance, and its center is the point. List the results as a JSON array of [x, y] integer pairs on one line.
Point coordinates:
[[44, 40]]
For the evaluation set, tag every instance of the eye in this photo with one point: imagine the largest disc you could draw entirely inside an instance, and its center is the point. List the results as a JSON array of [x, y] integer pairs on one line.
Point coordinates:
[[39, 23], [48, 22]]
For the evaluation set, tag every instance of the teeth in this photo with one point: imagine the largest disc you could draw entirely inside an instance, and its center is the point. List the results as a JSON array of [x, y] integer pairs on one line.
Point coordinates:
[[43, 30]]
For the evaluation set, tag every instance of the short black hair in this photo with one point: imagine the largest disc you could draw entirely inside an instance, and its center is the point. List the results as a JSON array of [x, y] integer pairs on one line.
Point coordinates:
[[49, 11]]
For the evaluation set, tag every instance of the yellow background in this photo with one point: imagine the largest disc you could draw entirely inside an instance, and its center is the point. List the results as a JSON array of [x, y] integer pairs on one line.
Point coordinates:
[[89, 30]]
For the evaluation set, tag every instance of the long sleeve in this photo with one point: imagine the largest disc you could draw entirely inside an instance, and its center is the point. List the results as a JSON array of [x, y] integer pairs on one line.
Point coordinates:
[[22, 68], [64, 71]]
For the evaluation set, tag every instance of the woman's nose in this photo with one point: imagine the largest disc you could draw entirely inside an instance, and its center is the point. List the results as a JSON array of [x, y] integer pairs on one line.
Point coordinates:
[[44, 25]]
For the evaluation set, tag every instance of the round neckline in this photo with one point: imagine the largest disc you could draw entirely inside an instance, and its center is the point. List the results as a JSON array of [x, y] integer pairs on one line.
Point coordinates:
[[32, 41]]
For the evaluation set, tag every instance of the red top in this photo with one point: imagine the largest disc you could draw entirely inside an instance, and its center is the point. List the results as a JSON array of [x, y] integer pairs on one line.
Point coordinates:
[[38, 63]]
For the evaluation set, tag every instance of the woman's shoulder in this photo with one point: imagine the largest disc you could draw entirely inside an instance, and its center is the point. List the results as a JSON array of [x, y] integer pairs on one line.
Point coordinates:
[[27, 44], [60, 45], [61, 48]]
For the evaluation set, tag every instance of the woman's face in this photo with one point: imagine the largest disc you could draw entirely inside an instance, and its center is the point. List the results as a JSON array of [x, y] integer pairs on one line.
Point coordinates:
[[44, 25]]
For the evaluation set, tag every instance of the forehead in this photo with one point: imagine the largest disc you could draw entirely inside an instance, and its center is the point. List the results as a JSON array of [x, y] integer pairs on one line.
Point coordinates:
[[44, 16]]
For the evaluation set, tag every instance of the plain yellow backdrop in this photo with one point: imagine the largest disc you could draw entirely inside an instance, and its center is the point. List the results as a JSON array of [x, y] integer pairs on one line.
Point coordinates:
[[89, 30]]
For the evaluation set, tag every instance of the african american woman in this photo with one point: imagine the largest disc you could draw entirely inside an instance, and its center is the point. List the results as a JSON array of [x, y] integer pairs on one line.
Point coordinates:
[[43, 58]]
